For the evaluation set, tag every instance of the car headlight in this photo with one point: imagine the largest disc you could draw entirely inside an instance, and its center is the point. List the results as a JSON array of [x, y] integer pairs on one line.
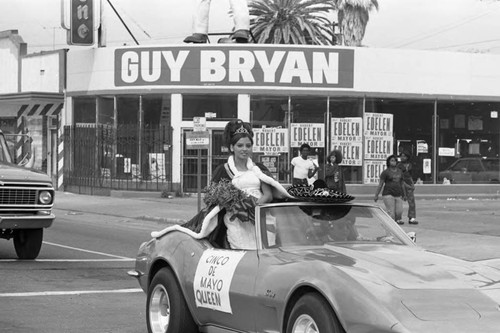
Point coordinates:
[[45, 197]]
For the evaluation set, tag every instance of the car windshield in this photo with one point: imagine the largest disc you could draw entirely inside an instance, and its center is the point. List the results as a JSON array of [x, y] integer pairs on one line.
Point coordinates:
[[310, 224], [4, 150]]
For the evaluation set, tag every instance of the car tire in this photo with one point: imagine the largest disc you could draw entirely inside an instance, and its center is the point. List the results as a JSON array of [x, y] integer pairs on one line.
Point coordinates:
[[313, 314], [166, 309], [28, 243]]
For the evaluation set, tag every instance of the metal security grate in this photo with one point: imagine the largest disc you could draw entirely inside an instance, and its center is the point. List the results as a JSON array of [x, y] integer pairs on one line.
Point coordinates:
[[18, 196]]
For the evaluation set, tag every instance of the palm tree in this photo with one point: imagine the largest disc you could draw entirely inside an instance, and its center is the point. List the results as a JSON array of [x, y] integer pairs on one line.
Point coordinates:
[[353, 16], [291, 21]]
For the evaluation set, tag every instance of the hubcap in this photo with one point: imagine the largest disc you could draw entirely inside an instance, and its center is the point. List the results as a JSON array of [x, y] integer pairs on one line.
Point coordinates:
[[305, 324], [159, 310]]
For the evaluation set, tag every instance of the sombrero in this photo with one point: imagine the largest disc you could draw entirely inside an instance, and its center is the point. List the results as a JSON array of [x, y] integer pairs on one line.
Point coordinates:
[[309, 193]]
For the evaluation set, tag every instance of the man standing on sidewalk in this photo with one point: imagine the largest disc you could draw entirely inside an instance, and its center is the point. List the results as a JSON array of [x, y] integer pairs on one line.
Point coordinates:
[[405, 166], [302, 167]]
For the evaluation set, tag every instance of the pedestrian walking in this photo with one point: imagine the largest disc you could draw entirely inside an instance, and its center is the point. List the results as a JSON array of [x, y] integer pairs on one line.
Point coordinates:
[[333, 173], [393, 194], [406, 167], [302, 167]]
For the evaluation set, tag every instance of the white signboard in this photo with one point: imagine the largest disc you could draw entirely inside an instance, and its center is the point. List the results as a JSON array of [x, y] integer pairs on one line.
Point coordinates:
[[351, 152], [347, 136], [372, 171], [157, 166], [346, 130], [444, 151], [199, 124], [213, 277], [378, 147], [270, 140], [379, 140], [378, 124], [312, 134], [427, 166]]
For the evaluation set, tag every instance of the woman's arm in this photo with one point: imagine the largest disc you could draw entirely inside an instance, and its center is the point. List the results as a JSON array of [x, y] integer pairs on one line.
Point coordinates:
[[267, 193], [329, 170]]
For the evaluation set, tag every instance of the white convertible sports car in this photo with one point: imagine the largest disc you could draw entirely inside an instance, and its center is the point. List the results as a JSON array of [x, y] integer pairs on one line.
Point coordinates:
[[318, 267]]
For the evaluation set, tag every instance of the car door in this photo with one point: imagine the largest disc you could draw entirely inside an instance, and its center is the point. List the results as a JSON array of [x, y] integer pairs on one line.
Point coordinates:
[[476, 170], [223, 288], [460, 173]]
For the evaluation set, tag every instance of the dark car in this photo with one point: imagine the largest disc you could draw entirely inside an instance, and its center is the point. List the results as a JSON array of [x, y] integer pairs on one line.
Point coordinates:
[[469, 170]]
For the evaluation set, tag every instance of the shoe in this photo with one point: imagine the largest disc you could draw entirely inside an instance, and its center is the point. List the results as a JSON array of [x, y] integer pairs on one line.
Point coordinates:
[[196, 38], [240, 36], [400, 222], [413, 221]]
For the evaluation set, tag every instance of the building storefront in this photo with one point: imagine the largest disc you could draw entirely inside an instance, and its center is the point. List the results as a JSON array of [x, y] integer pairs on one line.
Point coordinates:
[[129, 109], [31, 105]]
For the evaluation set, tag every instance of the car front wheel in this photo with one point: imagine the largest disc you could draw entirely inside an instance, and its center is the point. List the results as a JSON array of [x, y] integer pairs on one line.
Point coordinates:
[[312, 314], [166, 309], [28, 243]]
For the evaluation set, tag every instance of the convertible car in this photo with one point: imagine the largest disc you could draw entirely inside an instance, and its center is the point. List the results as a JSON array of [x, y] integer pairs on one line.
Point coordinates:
[[318, 267]]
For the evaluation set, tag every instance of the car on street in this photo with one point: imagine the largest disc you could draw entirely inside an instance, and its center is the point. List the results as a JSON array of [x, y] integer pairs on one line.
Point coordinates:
[[26, 200], [319, 267], [469, 170]]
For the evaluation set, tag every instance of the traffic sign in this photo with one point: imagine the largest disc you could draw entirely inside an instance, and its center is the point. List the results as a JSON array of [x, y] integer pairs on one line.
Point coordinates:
[[197, 140]]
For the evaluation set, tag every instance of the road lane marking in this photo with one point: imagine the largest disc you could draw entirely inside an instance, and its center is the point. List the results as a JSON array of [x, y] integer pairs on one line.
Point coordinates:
[[87, 251], [75, 292], [70, 260]]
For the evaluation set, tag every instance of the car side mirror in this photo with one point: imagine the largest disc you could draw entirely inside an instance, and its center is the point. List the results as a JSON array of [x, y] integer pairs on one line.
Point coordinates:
[[413, 236]]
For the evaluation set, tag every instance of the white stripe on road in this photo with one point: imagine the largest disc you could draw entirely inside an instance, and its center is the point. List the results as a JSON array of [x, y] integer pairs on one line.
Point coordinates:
[[87, 251], [76, 292], [71, 260]]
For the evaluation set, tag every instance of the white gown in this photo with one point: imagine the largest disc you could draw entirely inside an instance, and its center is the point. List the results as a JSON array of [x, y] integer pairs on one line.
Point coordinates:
[[241, 235]]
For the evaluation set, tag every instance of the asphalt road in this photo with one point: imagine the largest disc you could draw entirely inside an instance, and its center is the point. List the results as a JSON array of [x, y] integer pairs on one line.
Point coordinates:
[[79, 281]]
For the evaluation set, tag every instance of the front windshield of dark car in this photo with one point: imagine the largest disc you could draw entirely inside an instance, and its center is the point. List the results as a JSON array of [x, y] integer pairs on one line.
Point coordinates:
[[4, 151], [305, 225]]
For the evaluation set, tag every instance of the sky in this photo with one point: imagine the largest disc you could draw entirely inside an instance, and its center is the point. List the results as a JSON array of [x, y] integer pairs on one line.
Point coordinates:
[[438, 25]]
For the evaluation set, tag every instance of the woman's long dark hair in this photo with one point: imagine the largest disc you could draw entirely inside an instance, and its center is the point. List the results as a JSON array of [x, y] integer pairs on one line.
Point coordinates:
[[235, 130]]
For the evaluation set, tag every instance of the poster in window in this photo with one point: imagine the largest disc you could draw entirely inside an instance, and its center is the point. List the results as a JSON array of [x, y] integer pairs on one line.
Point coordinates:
[[444, 123], [459, 121], [475, 123]]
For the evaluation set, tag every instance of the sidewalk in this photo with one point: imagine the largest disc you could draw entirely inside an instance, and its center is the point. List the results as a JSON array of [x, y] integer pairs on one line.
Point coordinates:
[[450, 226]]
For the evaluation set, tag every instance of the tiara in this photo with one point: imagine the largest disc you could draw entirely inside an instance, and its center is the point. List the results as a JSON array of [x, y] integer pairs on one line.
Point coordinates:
[[241, 130]]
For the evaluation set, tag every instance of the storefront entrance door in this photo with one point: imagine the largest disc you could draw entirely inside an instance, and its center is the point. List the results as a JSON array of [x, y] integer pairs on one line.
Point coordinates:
[[210, 159]]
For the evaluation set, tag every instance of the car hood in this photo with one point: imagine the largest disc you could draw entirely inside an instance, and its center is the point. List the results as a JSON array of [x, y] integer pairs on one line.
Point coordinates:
[[14, 173], [427, 292], [405, 267]]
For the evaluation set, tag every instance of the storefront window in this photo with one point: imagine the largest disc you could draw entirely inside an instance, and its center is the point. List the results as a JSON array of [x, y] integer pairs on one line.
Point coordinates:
[[269, 119], [106, 110], [128, 110], [84, 110], [469, 141], [411, 131], [223, 107]]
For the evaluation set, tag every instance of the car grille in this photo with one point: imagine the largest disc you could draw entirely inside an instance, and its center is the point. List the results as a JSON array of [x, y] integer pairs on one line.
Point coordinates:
[[18, 196]]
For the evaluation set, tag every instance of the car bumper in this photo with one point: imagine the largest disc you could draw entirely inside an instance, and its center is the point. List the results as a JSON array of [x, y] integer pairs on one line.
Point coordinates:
[[26, 221]]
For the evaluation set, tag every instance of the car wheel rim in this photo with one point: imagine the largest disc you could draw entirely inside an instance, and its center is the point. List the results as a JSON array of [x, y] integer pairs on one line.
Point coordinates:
[[305, 324], [159, 310]]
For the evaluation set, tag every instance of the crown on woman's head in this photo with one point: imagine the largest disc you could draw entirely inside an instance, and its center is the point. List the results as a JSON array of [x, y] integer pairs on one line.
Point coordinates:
[[241, 129]]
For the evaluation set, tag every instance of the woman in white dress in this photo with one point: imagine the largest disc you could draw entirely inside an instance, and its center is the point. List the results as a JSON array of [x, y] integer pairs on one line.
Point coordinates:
[[244, 175]]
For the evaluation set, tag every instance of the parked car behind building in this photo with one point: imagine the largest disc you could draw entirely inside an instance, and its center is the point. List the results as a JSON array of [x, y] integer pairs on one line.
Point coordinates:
[[469, 170]]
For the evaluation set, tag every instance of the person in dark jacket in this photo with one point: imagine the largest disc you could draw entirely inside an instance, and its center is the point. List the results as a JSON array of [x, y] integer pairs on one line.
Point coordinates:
[[406, 167], [334, 176]]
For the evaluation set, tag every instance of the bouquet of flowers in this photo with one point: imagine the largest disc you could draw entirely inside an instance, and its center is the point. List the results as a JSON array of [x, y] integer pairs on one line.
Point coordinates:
[[235, 201]]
